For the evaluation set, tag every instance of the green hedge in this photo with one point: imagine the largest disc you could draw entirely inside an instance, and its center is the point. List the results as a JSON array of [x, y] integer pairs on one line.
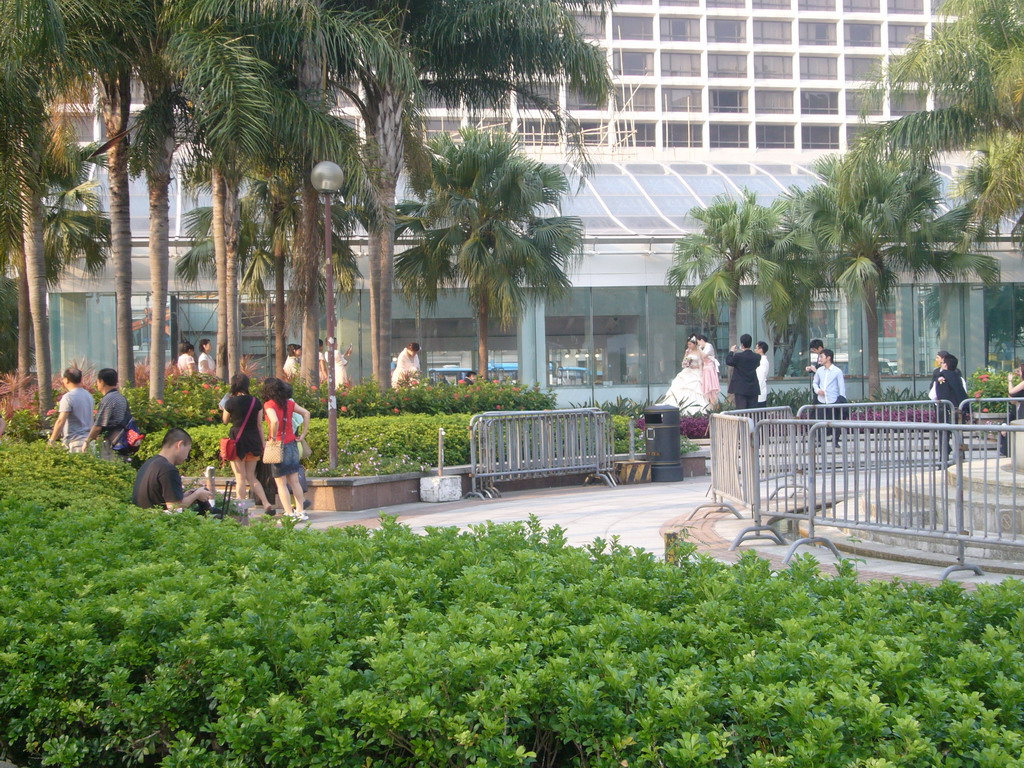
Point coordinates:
[[58, 479], [413, 436], [133, 638]]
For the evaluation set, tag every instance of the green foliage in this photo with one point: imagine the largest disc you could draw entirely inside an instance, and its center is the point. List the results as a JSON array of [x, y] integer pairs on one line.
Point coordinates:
[[794, 398], [57, 479], [25, 426], [985, 383], [367, 400], [188, 401], [620, 406], [132, 638]]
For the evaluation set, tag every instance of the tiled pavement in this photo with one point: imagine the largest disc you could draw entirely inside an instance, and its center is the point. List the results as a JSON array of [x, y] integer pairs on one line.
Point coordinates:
[[637, 515]]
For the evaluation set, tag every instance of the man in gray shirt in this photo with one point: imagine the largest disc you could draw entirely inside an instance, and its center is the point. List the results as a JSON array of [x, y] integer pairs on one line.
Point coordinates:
[[74, 413], [112, 416]]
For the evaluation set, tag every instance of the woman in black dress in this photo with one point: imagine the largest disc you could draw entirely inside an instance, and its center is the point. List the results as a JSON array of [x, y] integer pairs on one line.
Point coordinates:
[[249, 440]]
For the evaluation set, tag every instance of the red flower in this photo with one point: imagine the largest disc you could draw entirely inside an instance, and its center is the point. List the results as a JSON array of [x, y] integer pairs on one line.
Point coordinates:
[[51, 412], [206, 386], [344, 409], [978, 393], [160, 401], [984, 410], [184, 391], [314, 387], [396, 410], [984, 377]]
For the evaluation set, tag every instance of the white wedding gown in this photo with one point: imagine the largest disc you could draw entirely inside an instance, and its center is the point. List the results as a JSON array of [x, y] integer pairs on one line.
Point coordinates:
[[687, 389]]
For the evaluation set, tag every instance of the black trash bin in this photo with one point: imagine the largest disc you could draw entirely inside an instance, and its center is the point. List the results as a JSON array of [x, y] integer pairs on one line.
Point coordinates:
[[663, 443]]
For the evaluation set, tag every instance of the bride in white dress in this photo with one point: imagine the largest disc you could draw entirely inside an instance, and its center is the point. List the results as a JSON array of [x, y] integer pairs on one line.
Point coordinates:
[[687, 389]]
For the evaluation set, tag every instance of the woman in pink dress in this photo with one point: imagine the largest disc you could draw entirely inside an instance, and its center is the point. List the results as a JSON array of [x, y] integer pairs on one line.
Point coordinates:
[[712, 383]]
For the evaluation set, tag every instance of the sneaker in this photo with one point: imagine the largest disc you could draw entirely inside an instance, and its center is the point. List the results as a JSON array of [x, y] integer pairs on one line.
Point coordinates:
[[299, 516]]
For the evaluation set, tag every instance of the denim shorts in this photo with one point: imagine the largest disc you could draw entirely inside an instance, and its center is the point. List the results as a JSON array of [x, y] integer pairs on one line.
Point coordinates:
[[289, 461]]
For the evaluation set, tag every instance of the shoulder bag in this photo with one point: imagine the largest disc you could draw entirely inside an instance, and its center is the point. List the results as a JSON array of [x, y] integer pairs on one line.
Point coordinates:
[[229, 445], [273, 451]]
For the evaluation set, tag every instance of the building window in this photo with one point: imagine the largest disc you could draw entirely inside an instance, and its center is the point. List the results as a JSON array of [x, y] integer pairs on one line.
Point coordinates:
[[773, 102], [860, 6], [538, 132], [727, 31], [861, 67], [726, 100], [679, 3], [773, 67], [683, 135], [817, 33], [595, 133], [854, 132], [818, 67], [868, 35], [633, 63], [680, 30], [633, 134], [576, 100], [817, 5], [906, 6], [681, 99], [632, 27], [772, 5], [820, 136], [727, 65], [728, 135], [591, 26], [907, 103], [773, 32], [635, 99], [726, 3], [819, 102], [862, 103], [775, 136], [680, 64], [902, 35]]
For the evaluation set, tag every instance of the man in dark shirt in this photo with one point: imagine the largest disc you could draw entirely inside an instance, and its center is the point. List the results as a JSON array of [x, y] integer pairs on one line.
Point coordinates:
[[158, 482], [112, 416], [743, 384]]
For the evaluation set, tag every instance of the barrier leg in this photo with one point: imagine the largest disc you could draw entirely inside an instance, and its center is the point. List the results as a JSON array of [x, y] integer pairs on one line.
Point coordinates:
[[759, 532], [811, 540], [961, 564], [720, 506]]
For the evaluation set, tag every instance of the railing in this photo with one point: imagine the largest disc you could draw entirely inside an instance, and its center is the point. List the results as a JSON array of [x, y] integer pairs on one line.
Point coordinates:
[[508, 445], [917, 411], [991, 409]]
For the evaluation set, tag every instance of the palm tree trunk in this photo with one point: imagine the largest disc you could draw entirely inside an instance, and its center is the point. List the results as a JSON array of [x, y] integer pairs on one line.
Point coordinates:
[[220, 260], [871, 328], [159, 180], [24, 322], [734, 321], [309, 246], [231, 225], [35, 272], [482, 318], [387, 134], [115, 106], [280, 319]]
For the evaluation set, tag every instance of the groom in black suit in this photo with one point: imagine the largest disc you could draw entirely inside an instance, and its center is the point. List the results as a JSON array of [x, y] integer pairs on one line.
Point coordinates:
[[743, 385]]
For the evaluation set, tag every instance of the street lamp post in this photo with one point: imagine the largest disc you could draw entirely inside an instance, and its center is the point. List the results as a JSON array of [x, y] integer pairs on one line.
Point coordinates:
[[327, 177]]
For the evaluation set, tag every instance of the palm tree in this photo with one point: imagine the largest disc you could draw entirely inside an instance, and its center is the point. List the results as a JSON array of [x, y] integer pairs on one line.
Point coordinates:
[[474, 54], [971, 66], [877, 222], [740, 243], [482, 223]]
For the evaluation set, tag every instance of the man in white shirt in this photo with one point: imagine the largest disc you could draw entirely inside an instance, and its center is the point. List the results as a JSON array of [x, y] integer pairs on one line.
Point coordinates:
[[830, 387], [74, 413], [763, 370]]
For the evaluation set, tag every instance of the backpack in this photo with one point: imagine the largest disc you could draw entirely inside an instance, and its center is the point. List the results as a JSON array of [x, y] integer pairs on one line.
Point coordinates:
[[129, 440]]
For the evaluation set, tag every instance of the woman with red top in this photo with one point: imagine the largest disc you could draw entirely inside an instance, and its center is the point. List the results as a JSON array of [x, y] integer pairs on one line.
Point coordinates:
[[242, 412], [279, 409]]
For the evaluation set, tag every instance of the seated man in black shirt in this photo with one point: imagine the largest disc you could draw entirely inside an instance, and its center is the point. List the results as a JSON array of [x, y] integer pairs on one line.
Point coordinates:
[[158, 482]]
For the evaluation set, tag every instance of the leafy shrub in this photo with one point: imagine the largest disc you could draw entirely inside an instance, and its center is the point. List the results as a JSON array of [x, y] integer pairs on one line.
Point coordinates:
[[367, 400], [985, 383], [142, 639], [58, 479], [690, 428], [794, 398], [25, 426]]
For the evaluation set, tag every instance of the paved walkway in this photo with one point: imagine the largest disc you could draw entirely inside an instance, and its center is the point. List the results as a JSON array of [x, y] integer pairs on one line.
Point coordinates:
[[638, 515]]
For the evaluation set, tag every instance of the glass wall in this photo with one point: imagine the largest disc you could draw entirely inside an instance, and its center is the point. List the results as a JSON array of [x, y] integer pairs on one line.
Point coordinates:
[[1004, 325]]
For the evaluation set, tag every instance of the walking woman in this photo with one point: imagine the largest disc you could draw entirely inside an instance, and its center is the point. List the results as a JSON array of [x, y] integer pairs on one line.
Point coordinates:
[[244, 412], [279, 409]]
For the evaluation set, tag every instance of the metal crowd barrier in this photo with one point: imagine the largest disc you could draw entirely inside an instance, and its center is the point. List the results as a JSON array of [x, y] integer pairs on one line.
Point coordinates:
[[992, 409], [917, 411], [507, 445], [733, 465], [941, 482]]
